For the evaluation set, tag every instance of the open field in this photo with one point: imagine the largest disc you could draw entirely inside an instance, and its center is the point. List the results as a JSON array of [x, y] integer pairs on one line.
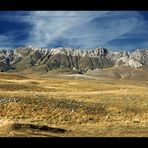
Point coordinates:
[[66, 106]]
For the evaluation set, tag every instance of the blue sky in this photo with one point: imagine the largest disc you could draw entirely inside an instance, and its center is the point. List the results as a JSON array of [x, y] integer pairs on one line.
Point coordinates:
[[116, 30]]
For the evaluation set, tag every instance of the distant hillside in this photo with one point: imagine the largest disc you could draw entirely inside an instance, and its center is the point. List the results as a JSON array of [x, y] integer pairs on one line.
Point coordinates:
[[77, 60], [122, 72]]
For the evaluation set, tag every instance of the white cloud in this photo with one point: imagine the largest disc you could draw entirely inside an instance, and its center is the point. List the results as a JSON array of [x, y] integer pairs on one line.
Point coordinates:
[[74, 28], [48, 26], [112, 25]]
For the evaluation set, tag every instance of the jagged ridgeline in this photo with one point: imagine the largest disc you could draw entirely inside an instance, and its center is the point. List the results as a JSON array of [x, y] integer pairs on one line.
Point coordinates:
[[44, 60]]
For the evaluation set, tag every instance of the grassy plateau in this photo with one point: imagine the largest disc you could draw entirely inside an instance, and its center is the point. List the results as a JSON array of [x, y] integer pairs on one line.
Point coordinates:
[[72, 106]]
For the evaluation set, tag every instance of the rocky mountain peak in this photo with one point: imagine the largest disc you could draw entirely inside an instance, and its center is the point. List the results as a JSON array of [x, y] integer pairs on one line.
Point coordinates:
[[69, 58]]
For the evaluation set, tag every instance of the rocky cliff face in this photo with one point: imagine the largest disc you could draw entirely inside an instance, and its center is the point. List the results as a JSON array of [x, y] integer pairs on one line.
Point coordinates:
[[71, 59]]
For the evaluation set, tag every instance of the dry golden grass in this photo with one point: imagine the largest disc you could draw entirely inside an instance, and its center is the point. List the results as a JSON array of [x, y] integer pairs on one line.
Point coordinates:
[[86, 107]]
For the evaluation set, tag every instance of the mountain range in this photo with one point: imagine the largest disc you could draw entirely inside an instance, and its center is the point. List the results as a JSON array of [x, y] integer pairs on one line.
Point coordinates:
[[76, 60]]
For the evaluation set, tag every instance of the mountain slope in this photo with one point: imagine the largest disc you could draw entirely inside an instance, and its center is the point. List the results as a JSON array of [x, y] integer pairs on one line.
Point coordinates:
[[40, 59]]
